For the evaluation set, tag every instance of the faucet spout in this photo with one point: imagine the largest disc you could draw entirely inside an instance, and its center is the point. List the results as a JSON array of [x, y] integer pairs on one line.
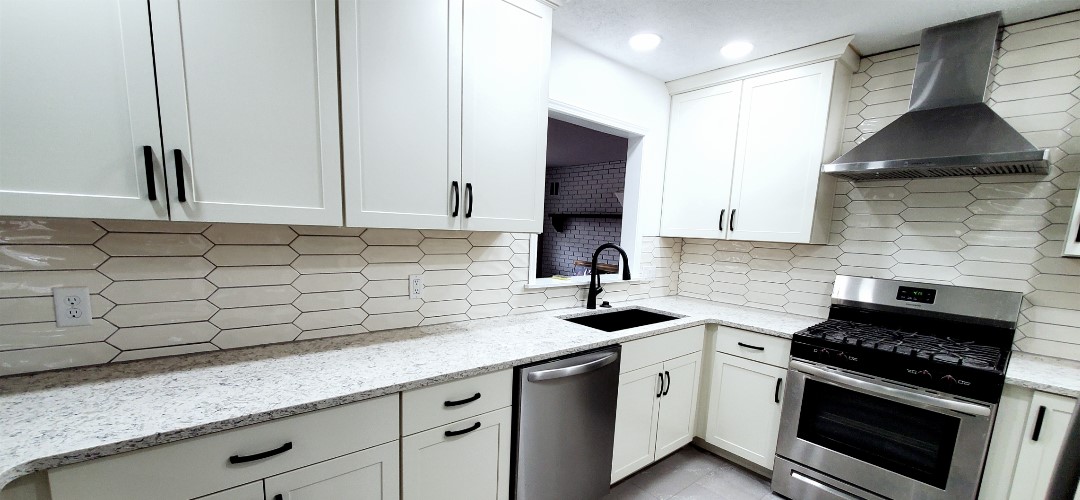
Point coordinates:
[[594, 279]]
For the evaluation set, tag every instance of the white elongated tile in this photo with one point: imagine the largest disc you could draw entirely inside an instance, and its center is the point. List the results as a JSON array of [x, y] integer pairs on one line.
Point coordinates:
[[40, 283], [813, 275], [145, 337], [932, 257], [489, 268], [1034, 106], [894, 108], [385, 254], [1048, 139], [816, 251], [382, 305], [327, 231], [1049, 348], [399, 271], [251, 296], [1064, 300], [331, 332], [723, 256], [249, 234], [1037, 88], [1001, 254], [489, 282], [871, 233], [730, 246], [810, 287], [700, 249], [876, 207], [1003, 238], [252, 276], [408, 237], [897, 79], [440, 246], [1043, 22], [393, 320], [453, 318], [767, 276], [323, 301], [243, 337], [924, 272], [867, 260], [448, 277], [935, 200], [329, 282], [447, 261], [489, 239], [767, 287], [865, 272], [451, 234], [489, 296], [158, 352], [40, 309], [1036, 123], [447, 292], [1006, 222], [891, 94], [139, 292], [871, 220], [1066, 49], [894, 65], [250, 255], [997, 270], [942, 243], [946, 185], [525, 300], [522, 260], [1058, 265], [818, 263], [49, 257], [386, 288], [318, 320], [254, 316], [771, 253], [767, 299], [143, 268], [29, 335], [1057, 283], [874, 247], [323, 245], [728, 288], [444, 308], [49, 232], [1049, 331], [55, 358], [318, 264], [1053, 315], [933, 228], [1041, 36], [478, 254], [936, 214], [1008, 285], [152, 226], [492, 310], [159, 314], [694, 288], [522, 247], [770, 265], [814, 299], [153, 244]]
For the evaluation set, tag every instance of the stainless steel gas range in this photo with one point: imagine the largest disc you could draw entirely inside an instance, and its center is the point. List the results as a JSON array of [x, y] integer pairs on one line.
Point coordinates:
[[894, 396]]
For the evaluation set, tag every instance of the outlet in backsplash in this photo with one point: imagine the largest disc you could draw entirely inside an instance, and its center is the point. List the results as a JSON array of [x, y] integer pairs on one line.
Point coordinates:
[[166, 288], [1002, 232]]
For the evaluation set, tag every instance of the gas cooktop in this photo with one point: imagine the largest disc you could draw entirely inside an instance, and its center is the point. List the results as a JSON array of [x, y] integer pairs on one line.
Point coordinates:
[[944, 350]]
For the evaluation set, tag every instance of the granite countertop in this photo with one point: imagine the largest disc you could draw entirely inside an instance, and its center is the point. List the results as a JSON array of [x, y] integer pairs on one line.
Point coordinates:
[[1059, 376], [57, 418]]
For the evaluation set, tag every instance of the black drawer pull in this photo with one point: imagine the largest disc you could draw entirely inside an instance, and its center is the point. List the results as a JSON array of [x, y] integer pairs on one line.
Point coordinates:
[[279, 497], [239, 459], [731, 221], [460, 402], [471, 428], [668, 388], [148, 160], [457, 198], [776, 395], [722, 219], [1038, 424], [754, 347], [178, 161], [661, 391], [468, 192]]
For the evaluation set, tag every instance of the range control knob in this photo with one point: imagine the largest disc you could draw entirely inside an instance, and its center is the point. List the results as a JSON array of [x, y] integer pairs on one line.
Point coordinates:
[[948, 380], [925, 373]]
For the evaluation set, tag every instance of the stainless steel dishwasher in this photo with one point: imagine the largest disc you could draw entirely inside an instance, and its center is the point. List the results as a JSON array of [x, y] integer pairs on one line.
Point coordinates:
[[564, 426]]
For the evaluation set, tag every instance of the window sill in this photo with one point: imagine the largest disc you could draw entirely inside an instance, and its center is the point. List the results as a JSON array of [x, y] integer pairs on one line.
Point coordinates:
[[579, 281]]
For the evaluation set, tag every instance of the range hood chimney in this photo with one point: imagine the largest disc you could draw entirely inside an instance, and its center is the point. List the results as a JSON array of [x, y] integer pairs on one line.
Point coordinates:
[[948, 130]]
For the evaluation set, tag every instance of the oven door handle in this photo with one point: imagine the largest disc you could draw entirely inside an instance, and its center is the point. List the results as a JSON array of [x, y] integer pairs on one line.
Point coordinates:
[[909, 396]]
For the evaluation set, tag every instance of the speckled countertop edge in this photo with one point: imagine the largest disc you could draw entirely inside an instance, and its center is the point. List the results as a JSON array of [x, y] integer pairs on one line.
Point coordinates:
[[1059, 376], [59, 418]]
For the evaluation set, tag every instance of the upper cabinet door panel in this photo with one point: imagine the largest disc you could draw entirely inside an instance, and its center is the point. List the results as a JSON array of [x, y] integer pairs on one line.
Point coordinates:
[[77, 107], [507, 46], [397, 95], [778, 159], [701, 154], [249, 98]]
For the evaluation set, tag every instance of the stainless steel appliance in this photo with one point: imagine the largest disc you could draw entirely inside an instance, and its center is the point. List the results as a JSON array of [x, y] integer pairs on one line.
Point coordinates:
[[894, 395], [564, 426]]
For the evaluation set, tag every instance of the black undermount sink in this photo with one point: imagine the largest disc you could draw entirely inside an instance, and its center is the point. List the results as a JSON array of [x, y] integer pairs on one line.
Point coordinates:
[[621, 319]]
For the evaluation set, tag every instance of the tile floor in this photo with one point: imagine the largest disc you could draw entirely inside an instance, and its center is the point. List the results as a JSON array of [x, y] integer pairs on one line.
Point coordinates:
[[692, 473]]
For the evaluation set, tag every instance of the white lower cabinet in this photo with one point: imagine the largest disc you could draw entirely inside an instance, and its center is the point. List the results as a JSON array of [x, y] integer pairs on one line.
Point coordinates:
[[744, 407], [250, 491], [371, 474], [466, 460]]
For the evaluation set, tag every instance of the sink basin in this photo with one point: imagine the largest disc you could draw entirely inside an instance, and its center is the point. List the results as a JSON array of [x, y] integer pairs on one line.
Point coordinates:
[[621, 319]]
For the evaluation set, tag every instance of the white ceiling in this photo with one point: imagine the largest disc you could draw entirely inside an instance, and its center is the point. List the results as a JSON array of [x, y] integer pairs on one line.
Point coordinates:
[[694, 30]]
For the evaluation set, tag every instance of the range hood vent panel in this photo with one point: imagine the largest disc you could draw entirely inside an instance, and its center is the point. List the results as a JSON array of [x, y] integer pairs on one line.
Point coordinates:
[[948, 130]]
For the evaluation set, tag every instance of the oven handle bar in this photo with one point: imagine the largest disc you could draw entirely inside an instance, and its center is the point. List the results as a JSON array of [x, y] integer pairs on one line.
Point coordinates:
[[913, 397], [824, 487]]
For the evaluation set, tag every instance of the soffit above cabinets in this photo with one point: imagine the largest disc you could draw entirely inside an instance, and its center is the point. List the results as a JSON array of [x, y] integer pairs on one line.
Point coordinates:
[[694, 30]]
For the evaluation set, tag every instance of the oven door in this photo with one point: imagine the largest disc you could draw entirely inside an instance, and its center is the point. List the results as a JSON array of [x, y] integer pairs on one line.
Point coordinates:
[[892, 440]]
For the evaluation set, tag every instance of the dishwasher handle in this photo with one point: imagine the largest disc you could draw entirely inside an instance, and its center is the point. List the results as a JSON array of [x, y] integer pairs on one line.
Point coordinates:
[[570, 371]]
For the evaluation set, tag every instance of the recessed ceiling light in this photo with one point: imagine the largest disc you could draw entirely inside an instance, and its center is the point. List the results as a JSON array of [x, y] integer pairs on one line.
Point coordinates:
[[735, 50], [644, 42]]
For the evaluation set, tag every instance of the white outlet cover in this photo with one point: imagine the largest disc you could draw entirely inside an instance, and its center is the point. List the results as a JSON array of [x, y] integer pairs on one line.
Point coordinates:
[[416, 286], [72, 306]]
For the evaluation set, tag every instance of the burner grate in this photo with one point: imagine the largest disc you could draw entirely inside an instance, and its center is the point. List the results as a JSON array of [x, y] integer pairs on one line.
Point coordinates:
[[931, 347]]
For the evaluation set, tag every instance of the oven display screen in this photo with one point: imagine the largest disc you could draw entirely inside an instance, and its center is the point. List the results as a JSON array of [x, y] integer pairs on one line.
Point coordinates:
[[923, 295]]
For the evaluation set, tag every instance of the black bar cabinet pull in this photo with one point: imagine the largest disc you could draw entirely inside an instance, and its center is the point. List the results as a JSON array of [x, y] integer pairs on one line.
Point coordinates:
[[468, 192], [776, 395], [668, 388], [460, 402], [1038, 424], [178, 159], [457, 198], [239, 459], [731, 221], [754, 347], [722, 219], [661, 391], [148, 160], [471, 428]]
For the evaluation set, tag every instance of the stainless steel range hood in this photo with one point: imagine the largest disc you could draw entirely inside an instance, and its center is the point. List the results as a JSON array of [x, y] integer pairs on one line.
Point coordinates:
[[948, 130]]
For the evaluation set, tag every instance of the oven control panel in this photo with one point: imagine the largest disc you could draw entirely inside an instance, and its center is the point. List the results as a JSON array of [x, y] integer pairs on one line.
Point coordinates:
[[912, 294]]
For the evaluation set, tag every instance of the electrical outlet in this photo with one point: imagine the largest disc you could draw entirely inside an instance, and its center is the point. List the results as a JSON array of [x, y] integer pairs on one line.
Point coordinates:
[[416, 286], [72, 305]]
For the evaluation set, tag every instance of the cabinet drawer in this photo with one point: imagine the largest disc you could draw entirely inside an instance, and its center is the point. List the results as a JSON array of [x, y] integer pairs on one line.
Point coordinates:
[[201, 465], [422, 409], [756, 346], [659, 348], [472, 465]]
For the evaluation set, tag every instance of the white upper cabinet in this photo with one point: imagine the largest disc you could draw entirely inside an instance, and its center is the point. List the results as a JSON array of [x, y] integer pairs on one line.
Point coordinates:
[[396, 102], [78, 109], [249, 109], [700, 161], [445, 113], [745, 154]]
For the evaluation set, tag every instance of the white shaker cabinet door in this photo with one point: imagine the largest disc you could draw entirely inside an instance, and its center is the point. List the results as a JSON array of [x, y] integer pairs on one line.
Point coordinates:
[[249, 109], [506, 49], [700, 159], [401, 121], [636, 413], [78, 108], [250, 491], [1047, 420], [744, 408], [778, 158], [678, 406], [465, 460], [371, 474]]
